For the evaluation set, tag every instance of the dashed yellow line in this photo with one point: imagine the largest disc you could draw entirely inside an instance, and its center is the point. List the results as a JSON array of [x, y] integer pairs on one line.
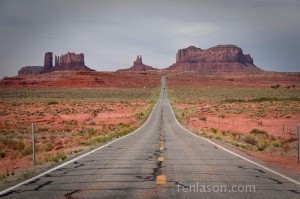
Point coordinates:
[[161, 179], [160, 159]]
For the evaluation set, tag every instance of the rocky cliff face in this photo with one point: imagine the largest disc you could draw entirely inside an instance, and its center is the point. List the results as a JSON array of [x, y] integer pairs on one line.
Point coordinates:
[[70, 61], [229, 58], [48, 61], [138, 66]]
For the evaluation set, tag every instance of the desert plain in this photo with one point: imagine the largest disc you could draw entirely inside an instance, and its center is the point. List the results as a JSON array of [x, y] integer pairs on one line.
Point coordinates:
[[74, 112]]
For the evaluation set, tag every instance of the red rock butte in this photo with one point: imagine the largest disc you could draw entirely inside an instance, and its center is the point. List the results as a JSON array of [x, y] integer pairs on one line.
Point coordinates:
[[138, 66], [69, 61], [221, 58]]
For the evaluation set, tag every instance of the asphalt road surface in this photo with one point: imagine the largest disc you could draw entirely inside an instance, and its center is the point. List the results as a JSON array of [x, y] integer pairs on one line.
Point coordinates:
[[160, 160]]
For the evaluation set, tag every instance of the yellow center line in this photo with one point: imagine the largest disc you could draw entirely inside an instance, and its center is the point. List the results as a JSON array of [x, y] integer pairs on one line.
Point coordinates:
[[161, 148], [161, 179], [160, 159]]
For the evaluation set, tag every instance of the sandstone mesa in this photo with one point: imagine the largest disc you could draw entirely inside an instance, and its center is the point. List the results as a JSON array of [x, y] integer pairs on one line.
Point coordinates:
[[69, 61], [221, 58]]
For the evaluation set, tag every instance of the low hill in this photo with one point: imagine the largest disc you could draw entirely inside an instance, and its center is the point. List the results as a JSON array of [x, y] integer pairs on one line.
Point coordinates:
[[80, 79]]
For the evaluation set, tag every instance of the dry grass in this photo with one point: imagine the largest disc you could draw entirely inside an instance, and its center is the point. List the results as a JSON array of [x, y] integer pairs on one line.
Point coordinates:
[[255, 103]]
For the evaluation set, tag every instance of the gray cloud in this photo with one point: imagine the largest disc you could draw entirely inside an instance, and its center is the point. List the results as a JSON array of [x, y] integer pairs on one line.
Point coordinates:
[[111, 32]]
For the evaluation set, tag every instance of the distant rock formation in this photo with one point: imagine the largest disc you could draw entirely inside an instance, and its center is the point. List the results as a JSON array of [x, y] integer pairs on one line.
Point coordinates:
[[138, 66], [138, 61], [223, 58], [31, 70], [69, 61], [48, 61]]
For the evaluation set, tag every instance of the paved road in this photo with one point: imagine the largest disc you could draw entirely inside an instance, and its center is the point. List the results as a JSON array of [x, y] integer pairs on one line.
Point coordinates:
[[129, 168]]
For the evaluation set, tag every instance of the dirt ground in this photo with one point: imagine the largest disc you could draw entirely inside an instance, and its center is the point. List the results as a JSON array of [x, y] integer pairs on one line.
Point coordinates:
[[83, 79]]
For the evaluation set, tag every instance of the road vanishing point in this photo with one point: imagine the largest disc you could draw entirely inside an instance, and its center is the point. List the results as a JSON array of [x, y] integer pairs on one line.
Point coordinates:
[[161, 159]]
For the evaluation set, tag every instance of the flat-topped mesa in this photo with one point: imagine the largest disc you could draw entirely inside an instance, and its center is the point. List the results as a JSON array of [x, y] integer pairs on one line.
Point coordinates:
[[218, 58], [220, 53], [138, 66], [69, 61]]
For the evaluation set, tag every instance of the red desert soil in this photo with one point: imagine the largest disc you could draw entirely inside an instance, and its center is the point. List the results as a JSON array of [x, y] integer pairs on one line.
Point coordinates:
[[82, 79], [284, 128], [259, 79], [286, 162]]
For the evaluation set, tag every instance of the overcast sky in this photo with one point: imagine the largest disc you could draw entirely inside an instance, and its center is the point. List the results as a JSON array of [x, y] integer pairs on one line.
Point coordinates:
[[111, 33]]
